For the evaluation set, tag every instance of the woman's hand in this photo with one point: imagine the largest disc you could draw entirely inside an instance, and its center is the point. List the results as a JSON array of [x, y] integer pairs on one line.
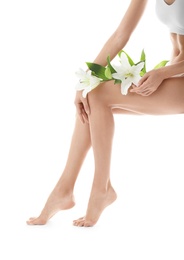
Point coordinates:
[[82, 107], [149, 83]]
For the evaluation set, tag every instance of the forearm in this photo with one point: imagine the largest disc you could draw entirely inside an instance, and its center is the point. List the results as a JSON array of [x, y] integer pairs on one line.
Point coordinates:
[[173, 70], [120, 37], [110, 51]]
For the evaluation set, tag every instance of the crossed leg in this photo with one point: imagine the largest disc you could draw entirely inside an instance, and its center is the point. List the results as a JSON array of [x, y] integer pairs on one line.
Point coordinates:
[[62, 198], [104, 101]]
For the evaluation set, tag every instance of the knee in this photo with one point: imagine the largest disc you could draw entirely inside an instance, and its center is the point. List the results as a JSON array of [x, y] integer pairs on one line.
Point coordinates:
[[98, 96]]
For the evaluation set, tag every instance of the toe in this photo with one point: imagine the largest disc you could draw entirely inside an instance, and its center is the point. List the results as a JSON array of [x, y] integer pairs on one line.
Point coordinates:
[[82, 222], [77, 221], [30, 221], [36, 221], [87, 224]]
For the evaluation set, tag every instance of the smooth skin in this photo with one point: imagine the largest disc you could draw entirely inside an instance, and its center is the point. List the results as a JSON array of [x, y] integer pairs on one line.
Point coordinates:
[[159, 92]]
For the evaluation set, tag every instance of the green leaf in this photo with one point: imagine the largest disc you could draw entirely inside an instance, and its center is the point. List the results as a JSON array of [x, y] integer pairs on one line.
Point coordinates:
[[110, 66], [143, 58], [142, 73], [108, 73], [97, 70], [117, 81], [161, 64], [129, 59]]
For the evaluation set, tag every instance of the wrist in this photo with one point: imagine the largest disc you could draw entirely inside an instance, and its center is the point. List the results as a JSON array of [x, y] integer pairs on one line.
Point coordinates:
[[165, 72]]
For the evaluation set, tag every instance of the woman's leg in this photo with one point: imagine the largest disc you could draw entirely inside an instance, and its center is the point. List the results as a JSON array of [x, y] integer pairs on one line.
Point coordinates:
[[62, 197], [168, 99], [102, 194]]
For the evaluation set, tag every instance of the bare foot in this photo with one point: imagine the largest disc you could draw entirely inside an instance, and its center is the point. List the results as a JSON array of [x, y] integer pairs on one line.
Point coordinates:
[[55, 203], [97, 203]]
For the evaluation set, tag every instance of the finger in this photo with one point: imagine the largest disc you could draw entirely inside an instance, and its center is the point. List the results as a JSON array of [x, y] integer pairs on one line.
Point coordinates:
[[146, 93], [85, 116], [138, 90], [142, 80], [80, 113], [143, 88], [81, 118], [142, 92], [133, 90], [86, 105]]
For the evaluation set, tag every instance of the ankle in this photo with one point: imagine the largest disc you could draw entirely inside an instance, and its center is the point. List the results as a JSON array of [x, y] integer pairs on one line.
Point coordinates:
[[66, 182], [101, 188]]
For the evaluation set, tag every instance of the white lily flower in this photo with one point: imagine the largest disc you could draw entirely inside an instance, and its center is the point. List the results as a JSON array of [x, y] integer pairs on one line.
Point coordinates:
[[126, 73], [87, 82]]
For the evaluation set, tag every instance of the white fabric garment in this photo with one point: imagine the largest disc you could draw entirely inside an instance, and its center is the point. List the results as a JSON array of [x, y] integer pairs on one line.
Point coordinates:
[[171, 15]]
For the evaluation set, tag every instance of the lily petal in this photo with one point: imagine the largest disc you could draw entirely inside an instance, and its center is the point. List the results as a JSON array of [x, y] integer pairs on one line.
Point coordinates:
[[81, 85], [124, 61], [80, 73], [118, 76], [137, 68], [125, 85], [136, 79], [85, 92], [87, 81], [94, 82]]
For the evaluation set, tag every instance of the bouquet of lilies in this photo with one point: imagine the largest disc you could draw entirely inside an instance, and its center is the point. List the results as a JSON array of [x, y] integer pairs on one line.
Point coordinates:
[[126, 73]]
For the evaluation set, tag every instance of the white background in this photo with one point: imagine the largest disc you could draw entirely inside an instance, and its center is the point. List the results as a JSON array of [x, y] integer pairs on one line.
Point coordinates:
[[42, 44]]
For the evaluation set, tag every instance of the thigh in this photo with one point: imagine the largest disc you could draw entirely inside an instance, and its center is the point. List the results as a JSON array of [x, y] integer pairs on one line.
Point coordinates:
[[168, 99], [124, 112]]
